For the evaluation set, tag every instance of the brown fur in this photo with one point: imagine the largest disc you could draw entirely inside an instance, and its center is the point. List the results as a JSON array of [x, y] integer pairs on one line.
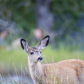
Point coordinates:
[[63, 72]]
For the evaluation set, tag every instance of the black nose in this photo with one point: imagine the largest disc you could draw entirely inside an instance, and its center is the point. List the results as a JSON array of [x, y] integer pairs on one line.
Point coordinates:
[[40, 58]]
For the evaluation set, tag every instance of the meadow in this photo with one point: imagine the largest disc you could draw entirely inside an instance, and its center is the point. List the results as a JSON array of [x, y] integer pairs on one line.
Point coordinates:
[[14, 63], [17, 58]]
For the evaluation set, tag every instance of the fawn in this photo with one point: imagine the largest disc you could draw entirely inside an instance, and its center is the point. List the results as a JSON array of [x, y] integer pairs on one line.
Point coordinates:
[[64, 72]]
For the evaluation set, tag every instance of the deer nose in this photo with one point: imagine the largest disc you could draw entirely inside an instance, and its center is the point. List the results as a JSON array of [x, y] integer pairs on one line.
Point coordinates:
[[40, 58]]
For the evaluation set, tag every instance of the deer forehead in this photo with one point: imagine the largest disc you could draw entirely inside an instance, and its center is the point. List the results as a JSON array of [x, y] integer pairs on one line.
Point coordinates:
[[33, 49]]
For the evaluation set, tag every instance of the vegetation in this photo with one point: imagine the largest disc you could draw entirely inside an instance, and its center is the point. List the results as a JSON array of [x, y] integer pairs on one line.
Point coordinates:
[[66, 14], [20, 18], [17, 57]]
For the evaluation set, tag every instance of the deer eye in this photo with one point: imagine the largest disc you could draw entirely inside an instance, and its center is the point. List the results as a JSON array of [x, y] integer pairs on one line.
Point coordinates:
[[31, 53]]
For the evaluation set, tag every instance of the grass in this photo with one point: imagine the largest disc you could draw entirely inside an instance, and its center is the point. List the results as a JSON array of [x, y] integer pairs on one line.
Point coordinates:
[[15, 58], [54, 55]]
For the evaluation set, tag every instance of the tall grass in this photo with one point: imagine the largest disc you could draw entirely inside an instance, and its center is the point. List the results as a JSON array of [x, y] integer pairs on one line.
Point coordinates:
[[18, 58]]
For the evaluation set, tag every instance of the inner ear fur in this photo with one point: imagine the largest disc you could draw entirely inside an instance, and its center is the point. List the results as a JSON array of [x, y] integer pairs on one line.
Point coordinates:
[[47, 42], [48, 36]]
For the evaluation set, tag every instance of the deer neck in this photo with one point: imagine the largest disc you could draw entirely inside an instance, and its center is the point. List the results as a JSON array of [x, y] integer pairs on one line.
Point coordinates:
[[35, 68]]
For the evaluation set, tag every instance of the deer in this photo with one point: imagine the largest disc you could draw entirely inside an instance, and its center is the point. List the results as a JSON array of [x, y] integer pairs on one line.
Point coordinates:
[[69, 71]]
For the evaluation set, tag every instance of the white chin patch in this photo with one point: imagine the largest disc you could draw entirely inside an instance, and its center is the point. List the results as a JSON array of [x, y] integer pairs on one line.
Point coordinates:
[[39, 60]]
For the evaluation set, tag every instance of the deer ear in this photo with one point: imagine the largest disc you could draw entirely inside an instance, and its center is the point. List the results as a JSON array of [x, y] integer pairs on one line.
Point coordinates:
[[24, 44], [43, 42]]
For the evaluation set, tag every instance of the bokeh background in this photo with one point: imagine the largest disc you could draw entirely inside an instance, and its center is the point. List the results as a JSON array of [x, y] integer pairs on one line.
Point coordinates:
[[32, 20]]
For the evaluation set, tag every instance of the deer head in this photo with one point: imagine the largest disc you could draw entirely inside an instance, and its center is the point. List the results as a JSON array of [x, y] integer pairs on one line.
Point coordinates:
[[34, 53]]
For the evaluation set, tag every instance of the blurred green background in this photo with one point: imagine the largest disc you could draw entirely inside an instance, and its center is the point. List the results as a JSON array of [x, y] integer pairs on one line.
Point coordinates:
[[32, 20]]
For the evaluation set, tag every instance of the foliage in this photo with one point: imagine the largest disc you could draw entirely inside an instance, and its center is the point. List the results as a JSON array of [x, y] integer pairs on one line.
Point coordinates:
[[22, 12], [66, 13]]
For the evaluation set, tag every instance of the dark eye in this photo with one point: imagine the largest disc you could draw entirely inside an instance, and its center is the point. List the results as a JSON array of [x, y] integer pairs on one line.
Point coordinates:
[[40, 52], [32, 53]]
